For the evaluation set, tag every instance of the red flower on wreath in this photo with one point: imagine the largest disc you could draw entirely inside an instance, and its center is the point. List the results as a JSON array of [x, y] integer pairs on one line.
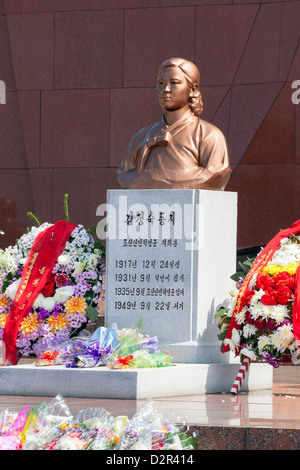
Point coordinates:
[[270, 297], [48, 289], [284, 279], [283, 295], [264, 282], [247, 297]]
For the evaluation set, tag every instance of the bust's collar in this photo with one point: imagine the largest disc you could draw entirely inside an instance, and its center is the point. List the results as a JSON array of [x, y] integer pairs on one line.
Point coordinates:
[[187, 114]]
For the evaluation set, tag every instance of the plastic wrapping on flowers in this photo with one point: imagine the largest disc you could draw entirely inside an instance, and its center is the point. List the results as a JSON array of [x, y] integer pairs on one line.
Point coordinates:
[[113, 348], [69, 299], [265, 319], [52, 426]]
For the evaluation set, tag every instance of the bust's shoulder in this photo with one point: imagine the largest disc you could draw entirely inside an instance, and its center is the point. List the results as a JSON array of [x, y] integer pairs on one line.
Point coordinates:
[[210, 132]]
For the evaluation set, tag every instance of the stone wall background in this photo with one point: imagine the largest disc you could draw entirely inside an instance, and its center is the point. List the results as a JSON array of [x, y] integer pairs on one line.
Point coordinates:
[[80, 81]]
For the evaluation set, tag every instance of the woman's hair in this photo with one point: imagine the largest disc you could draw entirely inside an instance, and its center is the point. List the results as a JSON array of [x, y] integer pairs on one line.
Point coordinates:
[[192, 76]]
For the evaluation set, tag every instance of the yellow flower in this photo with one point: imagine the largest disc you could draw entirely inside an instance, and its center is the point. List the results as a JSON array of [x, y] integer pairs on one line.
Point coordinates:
[[272, 270], [30, 323], [292, 268], [75, 305], [59, 322], [3, 319]]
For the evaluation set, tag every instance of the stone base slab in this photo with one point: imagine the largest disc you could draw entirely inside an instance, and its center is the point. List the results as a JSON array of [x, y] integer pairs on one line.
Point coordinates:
[[101, 382]]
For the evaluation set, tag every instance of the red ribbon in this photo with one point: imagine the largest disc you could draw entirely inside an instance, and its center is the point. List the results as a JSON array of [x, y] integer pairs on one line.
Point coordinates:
[[260, 262], [47, 247]]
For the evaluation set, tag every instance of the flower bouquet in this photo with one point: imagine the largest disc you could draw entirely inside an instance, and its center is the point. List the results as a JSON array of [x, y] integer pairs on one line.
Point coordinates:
[[261, 322], [116, 349], [53, 427], [69, 298], [11, 425]]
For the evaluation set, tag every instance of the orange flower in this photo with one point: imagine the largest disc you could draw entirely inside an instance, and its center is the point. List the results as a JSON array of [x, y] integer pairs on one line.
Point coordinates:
[[113, 439], [29, 323], [57, 323], [3, 319], [75, 305]]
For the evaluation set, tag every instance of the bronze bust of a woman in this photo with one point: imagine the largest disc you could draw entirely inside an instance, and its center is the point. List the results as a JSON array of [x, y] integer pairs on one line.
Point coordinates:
[[180, 151]]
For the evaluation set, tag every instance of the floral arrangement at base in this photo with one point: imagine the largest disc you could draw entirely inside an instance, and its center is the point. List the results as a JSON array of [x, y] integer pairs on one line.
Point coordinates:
[[70, 297], [260, 320], [115, 349], [53, 427]]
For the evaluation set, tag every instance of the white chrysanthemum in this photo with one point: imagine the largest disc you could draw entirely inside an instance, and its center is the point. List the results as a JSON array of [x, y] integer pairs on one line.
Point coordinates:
[[262, 342], [236, 336], [249, 330], [267, 311], [289, 253], [279, 313], [277, 342], [230, 343], [286, 333], [249, 353], [256, 310], [257, 296], [240, 316], [252, 283]]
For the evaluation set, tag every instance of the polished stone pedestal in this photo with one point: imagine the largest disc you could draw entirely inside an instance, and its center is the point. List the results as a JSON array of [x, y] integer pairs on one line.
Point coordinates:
[[170, 255], [101, 382]]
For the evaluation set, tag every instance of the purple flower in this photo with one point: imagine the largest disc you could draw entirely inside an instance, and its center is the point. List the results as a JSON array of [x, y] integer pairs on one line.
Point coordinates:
[[43, 313], [273, 361]]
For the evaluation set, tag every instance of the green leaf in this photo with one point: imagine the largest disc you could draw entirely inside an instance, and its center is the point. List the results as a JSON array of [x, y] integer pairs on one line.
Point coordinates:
[[34, 218], [66, 208], [92, 230], [222, 311], [222, 336], [236, 277], [91, 313]]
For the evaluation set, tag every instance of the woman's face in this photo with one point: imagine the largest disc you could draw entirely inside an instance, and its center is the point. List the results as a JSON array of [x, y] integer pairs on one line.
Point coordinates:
[[172, 88]]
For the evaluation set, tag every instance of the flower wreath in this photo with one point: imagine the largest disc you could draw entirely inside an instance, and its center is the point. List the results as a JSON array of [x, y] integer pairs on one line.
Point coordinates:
[[68, 301], [261, 321]]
